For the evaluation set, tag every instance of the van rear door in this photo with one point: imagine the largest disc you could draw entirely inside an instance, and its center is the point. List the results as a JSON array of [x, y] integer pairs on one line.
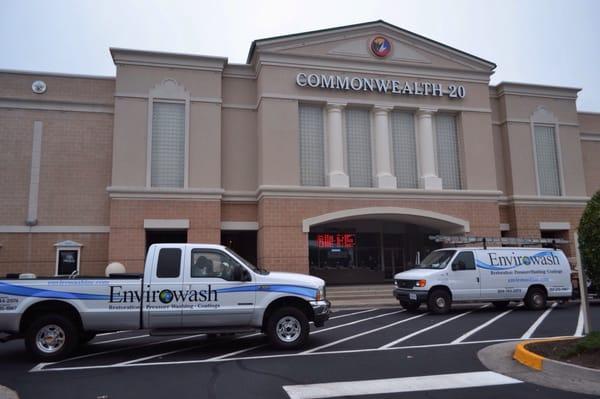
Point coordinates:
[[464, 277]]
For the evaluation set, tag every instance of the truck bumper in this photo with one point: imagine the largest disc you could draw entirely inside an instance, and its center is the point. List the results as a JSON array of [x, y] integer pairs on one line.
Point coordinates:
[[322, 310], [405, 295]]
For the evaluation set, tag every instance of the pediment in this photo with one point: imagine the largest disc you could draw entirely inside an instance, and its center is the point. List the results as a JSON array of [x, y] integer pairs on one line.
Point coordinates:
[[353, 43]]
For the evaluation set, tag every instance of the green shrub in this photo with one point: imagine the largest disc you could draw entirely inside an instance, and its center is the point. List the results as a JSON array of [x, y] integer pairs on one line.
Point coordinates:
[[589, 239]]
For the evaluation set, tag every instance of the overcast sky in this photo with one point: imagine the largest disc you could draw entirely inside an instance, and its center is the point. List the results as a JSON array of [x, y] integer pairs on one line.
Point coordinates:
[[544, 41]]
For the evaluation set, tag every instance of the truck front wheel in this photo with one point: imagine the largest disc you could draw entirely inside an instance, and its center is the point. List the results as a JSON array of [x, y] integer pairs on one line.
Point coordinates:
[[287, 328], [51, 337]]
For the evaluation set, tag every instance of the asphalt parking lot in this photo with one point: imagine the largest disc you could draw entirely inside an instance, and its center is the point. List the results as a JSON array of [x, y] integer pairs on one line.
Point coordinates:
[[418, 354]]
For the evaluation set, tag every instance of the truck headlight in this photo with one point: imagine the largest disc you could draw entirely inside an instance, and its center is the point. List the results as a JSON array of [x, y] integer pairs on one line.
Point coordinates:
[[421, 283], [320, 294]]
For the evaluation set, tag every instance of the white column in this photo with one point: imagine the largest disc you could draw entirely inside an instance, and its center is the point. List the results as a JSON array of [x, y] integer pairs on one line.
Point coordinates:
[[383, 162], [337, 176], [429, 179]]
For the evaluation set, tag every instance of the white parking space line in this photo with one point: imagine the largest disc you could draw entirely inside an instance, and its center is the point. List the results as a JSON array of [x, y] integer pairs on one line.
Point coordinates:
[[361, 334], [398, 385], [482, 326], [42, 368], [539, 321], [409, 336], [283, 355], [226, 355], [352, 314], [119, 339], [580, 322]]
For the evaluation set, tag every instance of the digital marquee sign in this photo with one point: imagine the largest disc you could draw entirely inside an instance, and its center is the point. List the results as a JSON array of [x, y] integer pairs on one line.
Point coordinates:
[[336, 240]]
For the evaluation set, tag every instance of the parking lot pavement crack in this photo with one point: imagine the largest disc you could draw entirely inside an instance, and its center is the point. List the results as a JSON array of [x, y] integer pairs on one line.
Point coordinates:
[[245, 366]]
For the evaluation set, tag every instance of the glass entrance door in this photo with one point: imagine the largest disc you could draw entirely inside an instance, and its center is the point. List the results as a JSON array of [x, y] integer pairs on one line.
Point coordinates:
[[392, 260]]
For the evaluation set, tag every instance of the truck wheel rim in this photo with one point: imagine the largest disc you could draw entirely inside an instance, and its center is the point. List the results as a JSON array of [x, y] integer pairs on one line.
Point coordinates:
[[440, 302], [288, 329], [538, 299], [50, 338]]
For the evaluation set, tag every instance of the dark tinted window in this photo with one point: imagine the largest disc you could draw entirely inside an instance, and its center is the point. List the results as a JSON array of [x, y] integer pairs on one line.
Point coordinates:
[[169, 263], [464, 261]]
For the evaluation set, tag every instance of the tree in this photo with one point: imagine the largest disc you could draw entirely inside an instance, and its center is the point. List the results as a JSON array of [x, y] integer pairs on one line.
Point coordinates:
[[589, 239]]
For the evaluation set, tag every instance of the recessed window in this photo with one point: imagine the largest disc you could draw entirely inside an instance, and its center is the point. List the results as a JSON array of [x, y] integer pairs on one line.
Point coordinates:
[[312, 151], [448, 160], [358, 144], [546, 153], [168, 144], [68, 254], [405, 149]]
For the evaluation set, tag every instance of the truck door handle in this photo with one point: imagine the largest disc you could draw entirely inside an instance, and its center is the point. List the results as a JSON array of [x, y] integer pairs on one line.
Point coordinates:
[[477, 279]]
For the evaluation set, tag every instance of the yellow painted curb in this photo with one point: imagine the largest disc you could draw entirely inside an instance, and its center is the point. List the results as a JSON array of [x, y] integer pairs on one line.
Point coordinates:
[[530, 359]]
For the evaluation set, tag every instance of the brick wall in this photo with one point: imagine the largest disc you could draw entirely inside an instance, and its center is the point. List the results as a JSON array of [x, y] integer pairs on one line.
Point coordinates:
[[36, 253], [283, 246], [127, 234], [231, 212]]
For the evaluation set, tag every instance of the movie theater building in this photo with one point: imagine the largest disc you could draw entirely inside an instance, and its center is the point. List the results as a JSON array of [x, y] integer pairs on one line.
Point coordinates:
[[334, 152]]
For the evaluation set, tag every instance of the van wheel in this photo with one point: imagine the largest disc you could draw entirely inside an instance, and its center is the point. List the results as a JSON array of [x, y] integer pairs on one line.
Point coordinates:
[[287, 328], [51, 337], [410, 306], [500, 304], [535, 299], [439, 302]]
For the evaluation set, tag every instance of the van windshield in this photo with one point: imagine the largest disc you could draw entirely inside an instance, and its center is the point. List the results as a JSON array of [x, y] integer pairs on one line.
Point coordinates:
[[437, 259]]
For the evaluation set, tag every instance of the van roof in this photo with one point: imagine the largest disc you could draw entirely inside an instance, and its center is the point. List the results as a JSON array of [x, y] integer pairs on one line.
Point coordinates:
[[496, 248]]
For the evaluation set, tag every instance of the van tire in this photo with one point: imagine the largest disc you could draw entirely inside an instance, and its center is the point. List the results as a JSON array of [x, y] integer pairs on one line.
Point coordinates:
[[288, 328], [410, 306], [62, 334], [500, 304], [535, 299], [439, 301]]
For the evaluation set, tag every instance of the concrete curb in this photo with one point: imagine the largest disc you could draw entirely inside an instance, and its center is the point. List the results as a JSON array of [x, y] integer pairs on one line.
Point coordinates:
[[537, 362], [557, 375], [6, 393]]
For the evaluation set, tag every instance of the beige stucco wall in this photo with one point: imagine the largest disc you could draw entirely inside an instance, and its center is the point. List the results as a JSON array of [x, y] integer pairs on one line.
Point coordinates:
[[477, 155], [591, 160], [129, 142], [239, 160], [278, 142], [589, 122]]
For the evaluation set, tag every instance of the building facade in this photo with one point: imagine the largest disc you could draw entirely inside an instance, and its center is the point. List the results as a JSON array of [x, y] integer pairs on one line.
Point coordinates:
[[335, 152]]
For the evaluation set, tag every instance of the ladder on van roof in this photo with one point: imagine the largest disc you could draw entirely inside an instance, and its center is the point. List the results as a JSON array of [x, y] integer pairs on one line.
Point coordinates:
[[514, 241]]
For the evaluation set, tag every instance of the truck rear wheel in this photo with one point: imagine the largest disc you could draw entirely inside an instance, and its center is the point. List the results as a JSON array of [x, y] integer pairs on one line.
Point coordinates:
[[535, 299], [287, 328], [51, 337], [439, 301]]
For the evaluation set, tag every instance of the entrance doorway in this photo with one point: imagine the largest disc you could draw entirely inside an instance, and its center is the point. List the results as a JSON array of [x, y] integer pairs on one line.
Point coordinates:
[[165, 237], [243, 242]]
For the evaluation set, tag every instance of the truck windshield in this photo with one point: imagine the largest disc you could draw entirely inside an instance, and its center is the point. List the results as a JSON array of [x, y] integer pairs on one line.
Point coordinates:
[[248, 264], [437, 259]]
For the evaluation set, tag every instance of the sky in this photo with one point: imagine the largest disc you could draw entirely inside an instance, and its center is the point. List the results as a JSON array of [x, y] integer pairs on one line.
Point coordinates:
[[534, 41]]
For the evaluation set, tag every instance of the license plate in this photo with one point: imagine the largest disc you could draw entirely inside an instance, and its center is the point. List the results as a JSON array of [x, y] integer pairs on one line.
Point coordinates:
[[412, 296]]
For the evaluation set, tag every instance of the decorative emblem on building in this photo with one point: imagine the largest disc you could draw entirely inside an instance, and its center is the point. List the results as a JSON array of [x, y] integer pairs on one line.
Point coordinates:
[[380, 46]]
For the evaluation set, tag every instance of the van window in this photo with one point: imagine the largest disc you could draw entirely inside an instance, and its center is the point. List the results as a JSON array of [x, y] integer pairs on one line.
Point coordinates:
[[464, 261], [169, 263]]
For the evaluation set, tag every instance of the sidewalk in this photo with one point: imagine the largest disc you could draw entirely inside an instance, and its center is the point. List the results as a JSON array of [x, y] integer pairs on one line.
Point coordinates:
[[6, 393], [566, 377], [356, 296]]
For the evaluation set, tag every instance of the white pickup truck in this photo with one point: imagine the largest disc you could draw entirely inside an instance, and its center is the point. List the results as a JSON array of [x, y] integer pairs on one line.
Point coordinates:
[[185, 289]]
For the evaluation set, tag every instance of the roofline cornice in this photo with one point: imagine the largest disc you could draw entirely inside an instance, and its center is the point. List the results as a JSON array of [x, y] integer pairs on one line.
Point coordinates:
[[163, 59]]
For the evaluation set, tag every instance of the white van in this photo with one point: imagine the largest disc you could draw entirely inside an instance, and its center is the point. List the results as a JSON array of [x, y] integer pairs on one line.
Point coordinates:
[[497, 275]]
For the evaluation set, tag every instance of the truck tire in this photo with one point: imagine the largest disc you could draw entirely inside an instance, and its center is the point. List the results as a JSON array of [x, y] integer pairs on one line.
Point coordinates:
[[52, 337], [500, 304], [410, 306], [535, 299], [87, 336], [287, 328], [439, 301]]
